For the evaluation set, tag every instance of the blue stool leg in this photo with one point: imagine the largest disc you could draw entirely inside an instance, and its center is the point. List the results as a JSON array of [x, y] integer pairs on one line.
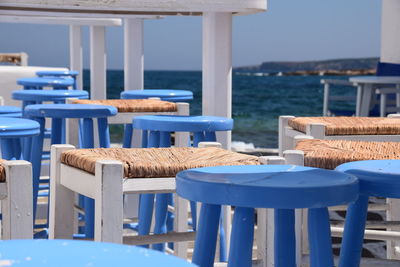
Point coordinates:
[[88, 142], [16, 143], [145, 214], [197, 138], [210, 136], [319, 235], [284, 238], [128, 131], [206, 237], [145, 138], [56, 131], [104, 133], [36, 160], [242, 238], [353, 235], [160, 226], [7, 148]]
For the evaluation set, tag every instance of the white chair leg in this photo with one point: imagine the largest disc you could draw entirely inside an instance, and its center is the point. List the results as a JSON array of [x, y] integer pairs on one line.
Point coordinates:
[[285, 142], [180, 225], [62, 199], [17, 206], [108, 201]]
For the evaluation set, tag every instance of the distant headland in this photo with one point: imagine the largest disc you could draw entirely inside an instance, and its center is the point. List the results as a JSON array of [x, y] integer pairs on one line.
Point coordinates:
[[348, 66]]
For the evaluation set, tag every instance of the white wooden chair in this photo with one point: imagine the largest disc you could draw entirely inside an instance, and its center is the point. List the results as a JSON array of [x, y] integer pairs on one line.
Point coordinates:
[[107, 185], [314, 153], [337, 128], [16, 199]]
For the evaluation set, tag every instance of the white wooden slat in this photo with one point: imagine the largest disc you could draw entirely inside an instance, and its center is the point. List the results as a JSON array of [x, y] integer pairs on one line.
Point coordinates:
[[77, 180], [17, 220], [149, 185]]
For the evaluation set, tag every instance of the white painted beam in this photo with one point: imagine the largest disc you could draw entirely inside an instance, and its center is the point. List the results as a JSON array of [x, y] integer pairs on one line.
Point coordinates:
[[133, 54], [97, 63], [60, 20], [390, 31], [75, 52], [217, 68]]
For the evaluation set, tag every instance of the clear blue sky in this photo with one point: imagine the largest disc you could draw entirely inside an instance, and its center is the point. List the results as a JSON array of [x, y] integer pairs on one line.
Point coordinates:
[[291, 30]]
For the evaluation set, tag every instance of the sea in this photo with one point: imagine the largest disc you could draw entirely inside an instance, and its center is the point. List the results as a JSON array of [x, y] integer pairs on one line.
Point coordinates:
[[258, 99]]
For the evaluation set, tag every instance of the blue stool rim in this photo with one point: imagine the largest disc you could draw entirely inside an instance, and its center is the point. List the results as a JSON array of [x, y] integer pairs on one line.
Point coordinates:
[[377, 177], [48, 95], [57, 72], [175, 123], [42, 81], [267, 186], [17, 127], [70, 111]]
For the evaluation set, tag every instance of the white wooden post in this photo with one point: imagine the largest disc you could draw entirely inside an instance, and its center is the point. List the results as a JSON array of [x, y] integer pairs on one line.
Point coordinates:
[[217, 68], [97, 62], [17, 222], [75, 52], [108, 201], [133, 54], [61, 198], [390, 31]]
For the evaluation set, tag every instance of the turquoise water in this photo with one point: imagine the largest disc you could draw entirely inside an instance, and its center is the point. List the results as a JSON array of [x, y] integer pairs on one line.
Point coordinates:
[[257, 100]]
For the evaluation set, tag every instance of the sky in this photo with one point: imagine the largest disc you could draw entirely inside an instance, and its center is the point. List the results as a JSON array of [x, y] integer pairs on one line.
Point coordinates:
[[290, 30]]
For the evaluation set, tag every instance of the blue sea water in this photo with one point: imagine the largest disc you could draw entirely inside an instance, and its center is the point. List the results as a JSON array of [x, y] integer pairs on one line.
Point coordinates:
[[257, 100]]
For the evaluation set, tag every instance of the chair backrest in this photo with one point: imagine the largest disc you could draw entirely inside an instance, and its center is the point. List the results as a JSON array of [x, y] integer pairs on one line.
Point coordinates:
[[387, 69]]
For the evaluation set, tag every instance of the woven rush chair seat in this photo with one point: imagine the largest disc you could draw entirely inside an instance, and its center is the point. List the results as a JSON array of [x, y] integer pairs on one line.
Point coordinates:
[[156, 162], [133, 105], [2, 171], [328, 154], [350, 125]]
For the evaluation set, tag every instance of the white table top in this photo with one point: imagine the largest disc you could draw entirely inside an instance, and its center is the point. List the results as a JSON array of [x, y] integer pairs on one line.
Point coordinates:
[[376, 79]]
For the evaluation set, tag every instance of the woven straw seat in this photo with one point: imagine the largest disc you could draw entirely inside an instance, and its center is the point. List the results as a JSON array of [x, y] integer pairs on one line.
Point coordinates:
[[2, 172], [350, 125], [328, 154], [156, 162], [133, 105]]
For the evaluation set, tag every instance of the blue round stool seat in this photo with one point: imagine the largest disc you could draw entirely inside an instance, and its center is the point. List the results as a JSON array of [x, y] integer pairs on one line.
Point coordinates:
[[10, 111], [281, 187], [267, 186], [81, 253], [163, 94], [48, 95], [380, 178], [40, 82], [70, 111], [171, 123], [16, 127], [57, 73]]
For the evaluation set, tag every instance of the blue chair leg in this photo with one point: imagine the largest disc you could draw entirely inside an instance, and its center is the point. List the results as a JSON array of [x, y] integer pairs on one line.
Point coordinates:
[[353, 235], [284, 238], [128, 131], [160, 218], [206, 237], [319, 235], [222, 241], [241, 245], [146, 204]]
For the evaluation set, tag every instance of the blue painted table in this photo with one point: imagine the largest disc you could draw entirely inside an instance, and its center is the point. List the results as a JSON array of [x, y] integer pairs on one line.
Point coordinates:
[[60, 74], [379, 178], [39, 83], [70, 253], [281, 187], [163, 94]]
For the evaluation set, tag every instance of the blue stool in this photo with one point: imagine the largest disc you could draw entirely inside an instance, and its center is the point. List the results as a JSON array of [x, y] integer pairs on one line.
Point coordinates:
[[29, 97], [156, 132], [39, 83], [380, 178], [11, 132], [281, 187], [60, 74], [59, 112], [66, 253], [10, 111], [163, 94]]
